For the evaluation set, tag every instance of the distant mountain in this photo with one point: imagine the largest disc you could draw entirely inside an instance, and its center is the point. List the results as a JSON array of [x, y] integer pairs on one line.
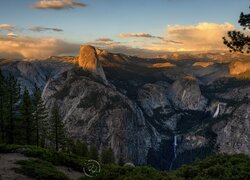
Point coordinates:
[[158, 112]]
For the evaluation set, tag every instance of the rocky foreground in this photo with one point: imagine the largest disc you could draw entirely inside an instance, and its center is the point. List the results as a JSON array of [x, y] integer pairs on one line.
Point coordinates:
[[157, 112]]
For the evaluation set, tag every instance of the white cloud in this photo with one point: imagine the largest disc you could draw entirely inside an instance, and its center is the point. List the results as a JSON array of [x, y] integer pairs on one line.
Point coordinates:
[[201, 37], [57, 4], [12, 35], [7, 27]]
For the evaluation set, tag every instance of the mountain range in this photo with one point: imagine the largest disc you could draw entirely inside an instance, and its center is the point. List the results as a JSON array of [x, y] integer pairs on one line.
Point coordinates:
[[161, 112]]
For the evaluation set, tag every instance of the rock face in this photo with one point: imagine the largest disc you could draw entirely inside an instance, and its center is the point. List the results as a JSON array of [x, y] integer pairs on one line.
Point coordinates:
[[163, 65], [238, 67], [150, 112], [151, 97], [97, 114], [31, 73], [186, 94], [89, 61], [234, 134], [203, 64]]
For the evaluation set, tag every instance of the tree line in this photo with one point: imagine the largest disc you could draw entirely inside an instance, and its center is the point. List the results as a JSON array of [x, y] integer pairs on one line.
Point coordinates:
[[25, 120]]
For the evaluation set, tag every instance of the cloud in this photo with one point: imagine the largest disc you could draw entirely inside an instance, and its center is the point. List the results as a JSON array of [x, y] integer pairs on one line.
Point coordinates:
[[103, 43], [104, 40], [40, 29], [141, 34], [134, 51], [57, 4], [38, 48], [13, 35], [201, 37], [7, 27]]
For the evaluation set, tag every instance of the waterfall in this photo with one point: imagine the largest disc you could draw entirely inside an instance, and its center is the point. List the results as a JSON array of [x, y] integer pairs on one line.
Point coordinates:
[[217, 111], [183, 95], [175, 143]]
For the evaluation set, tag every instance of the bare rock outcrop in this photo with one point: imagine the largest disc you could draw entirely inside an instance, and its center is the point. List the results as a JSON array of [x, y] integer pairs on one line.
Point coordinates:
[[186, 94], [238, 67], [203, 64], [151, 97], [98, 114], [234, 135], [89, 61]]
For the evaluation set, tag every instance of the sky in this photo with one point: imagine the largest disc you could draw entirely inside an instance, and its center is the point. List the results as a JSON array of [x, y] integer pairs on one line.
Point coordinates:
[[41, 28]]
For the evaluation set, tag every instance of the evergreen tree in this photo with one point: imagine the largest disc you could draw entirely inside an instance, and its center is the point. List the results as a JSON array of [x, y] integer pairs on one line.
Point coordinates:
[[107, 156], [57, 131], [80, 149], [2, 106], [40, 116], [93, 153], [26, 116], [238, 41], [121, 161], [12, 98]]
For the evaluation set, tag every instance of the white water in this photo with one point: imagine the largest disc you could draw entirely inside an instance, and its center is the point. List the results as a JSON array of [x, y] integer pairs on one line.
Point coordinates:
[[47, 84], [217, 111], [183, 95], [175, 144]]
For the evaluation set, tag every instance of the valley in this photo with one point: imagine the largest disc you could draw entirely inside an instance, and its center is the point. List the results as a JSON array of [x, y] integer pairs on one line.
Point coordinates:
[[147, 111]]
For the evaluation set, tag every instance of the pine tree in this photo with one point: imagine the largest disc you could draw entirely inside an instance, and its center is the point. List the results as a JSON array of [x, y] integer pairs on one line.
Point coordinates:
[[26, 116], [12, 98], [107, 156], [239, 41], [121, 161], [93, 153], [80, 149], [2, 106], [57, 131], [40, 116]]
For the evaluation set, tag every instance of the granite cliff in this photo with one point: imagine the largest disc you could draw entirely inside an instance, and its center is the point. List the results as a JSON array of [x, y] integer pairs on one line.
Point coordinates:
[[157, 112]]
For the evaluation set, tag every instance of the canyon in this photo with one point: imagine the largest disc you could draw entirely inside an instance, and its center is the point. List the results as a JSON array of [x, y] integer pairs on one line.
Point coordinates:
[[161, 112]]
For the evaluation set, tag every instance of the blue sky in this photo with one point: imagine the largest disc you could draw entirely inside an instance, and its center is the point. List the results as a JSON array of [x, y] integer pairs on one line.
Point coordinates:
[[109, 18]]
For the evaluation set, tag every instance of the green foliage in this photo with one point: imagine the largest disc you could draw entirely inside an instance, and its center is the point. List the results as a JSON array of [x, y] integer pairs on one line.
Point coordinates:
[[121, 161], [113, 172], [238, 41], [2, 107], [107, 156], [224, 167], [80, 149], [40, 119], [93, 153], [39, 169], [217, 167], [11, 104], [49, 155], [57, 131], [26, 116]]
